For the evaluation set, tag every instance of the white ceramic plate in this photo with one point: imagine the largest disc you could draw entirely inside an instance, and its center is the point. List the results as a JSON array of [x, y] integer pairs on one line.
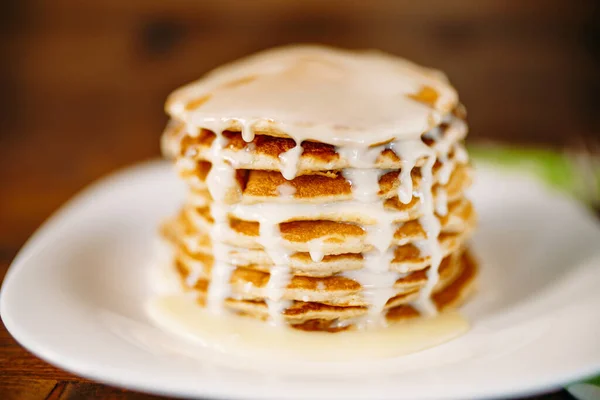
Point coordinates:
[[75, 297]]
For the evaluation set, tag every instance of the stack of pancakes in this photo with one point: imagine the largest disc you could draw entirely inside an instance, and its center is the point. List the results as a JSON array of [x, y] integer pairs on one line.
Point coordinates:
[[326, 189]]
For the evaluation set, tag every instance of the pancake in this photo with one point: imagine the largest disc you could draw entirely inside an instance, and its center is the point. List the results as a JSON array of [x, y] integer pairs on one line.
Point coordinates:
[[338, 210], [340, 289], [255, 186], [404, 258], [450, 293], [328, 237], [263, 152], [326, 189]]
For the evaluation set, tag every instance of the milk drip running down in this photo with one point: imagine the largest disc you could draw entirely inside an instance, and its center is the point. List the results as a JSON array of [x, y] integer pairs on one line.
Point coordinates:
[[393, 133]]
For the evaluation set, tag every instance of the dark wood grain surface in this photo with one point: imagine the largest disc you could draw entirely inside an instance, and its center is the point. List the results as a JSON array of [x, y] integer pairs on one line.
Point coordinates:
[[82, 85]]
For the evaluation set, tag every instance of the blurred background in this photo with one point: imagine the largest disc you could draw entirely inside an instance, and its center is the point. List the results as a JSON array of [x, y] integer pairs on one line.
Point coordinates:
[[82, 83]]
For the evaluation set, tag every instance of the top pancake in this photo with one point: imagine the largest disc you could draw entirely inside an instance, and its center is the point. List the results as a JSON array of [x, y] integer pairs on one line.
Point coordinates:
[[263, 151], [333, 96]]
